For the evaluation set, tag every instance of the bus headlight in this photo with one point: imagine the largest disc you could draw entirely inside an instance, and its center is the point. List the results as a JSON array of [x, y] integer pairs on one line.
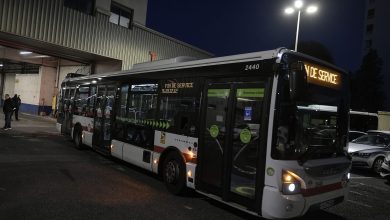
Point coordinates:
[[290, 183]]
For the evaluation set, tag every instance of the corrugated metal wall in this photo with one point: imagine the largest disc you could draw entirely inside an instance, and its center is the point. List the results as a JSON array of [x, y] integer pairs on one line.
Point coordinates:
[[49, 21]]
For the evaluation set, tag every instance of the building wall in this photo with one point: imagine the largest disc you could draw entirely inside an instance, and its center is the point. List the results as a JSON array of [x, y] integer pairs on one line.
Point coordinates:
[[378, 39], [28, 87], [9, 84], [47, 90], [50, 22]]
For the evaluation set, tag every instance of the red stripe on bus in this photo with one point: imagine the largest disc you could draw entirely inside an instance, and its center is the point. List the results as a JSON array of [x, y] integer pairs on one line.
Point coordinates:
[[158, 149], [321, 189]]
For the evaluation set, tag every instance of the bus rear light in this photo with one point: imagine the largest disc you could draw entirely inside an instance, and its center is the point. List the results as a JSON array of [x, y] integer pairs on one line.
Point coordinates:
[[290, 183], [189, 173], [155, 161]]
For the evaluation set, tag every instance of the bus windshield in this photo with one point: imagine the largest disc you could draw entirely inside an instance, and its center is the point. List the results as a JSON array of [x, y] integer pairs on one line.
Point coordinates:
[[311, 128]]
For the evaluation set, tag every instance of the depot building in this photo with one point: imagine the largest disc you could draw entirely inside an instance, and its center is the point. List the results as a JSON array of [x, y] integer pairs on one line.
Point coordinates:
[[42, 41]]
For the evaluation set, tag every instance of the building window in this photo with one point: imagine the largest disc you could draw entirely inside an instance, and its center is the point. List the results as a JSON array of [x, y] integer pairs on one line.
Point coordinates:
[[85, 6], [121, 16], [371, 13], [369, 28], [368, 44]]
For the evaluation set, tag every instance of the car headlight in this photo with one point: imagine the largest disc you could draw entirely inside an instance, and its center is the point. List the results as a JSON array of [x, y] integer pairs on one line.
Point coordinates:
[[364, 154], [290, 183]]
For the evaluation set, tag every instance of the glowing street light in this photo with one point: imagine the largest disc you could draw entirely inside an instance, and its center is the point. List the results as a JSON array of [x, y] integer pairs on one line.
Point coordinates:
[[298, 5]]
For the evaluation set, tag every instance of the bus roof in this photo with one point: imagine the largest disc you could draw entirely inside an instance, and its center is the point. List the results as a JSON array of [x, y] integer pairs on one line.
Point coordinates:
[[188, 62]]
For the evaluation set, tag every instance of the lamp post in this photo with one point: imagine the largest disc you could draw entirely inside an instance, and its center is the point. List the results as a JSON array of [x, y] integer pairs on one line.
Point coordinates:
[[298, 5]]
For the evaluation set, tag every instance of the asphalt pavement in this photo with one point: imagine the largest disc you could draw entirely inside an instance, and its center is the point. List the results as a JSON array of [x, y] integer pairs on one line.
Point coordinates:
[[42, 176]]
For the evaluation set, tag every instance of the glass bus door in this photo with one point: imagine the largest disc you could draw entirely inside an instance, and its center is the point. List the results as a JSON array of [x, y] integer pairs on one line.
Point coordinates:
[[68, 109], [230, 142], [103, 117]]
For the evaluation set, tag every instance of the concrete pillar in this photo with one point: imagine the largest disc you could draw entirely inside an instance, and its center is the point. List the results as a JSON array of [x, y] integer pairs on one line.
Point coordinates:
[[9, 84]]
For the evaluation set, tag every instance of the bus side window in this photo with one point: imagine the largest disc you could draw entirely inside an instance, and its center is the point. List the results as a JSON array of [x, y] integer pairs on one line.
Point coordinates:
[[180, 113], [91, 102], [135, 113], [81, 101]]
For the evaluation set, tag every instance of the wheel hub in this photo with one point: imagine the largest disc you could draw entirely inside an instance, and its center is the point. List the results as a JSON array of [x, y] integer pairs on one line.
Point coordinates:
[[171, 172]]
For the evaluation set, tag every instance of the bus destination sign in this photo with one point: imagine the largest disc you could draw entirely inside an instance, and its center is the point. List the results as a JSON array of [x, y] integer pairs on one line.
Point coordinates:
[[322, 76], [173, 87]]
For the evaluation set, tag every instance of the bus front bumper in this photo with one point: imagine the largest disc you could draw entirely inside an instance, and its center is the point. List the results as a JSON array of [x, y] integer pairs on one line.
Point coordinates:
[[279, 206]]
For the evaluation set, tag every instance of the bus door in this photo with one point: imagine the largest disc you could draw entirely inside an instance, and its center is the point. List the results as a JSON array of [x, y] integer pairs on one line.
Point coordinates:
[[230, 143], [68, 108], [103, 117]]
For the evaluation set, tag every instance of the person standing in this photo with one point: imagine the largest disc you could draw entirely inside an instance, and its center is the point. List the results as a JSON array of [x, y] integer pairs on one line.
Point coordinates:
[[16, 100], [8, 108]]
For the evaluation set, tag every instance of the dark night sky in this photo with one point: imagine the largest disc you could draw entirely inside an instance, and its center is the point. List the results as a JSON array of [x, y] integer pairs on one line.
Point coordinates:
[[225, 27]]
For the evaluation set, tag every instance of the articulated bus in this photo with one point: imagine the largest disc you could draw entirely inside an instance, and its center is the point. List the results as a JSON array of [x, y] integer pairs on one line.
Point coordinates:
[[247, 130]]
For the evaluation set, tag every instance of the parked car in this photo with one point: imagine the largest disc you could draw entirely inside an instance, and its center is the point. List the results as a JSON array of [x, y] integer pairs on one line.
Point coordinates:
[[369, 151], [385, 171], [378, 132], [352, 135]]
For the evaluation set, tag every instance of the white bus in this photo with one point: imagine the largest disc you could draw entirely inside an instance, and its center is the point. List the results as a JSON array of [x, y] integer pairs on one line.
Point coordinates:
[[246, 130]]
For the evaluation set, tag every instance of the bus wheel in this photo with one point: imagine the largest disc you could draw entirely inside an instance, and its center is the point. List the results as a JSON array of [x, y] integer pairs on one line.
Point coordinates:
[[174, 173], [77, 138]]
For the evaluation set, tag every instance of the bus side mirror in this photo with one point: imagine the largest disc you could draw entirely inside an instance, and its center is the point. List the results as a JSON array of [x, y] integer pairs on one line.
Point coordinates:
[[298, 81]]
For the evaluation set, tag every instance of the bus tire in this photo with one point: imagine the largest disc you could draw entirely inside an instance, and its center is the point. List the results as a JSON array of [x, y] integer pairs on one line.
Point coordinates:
[[77, 139], [174, 173]]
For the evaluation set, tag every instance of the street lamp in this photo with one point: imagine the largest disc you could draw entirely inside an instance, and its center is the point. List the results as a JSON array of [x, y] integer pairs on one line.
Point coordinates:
[[298, 5]]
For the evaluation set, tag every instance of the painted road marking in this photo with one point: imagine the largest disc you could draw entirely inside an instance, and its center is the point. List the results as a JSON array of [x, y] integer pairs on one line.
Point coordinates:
[[354, 192], [358, 203], [187, 207], [361, 177], [375, 187], [120, 169]]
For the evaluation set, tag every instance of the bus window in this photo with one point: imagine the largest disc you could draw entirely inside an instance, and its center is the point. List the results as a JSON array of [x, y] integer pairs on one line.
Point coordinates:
[[138, 104], [180, 113], [124, 95], [81, 101], [142, 106], [91, 102]]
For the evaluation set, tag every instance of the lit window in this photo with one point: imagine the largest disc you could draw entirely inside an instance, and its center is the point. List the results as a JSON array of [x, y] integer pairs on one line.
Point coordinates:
[[121, 16]]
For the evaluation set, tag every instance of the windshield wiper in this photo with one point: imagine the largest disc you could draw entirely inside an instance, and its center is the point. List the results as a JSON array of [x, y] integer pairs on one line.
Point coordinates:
[[314, 149]]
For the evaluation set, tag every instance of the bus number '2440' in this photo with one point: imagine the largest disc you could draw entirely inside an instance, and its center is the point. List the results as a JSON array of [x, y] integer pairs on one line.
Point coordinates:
[[249, 67]]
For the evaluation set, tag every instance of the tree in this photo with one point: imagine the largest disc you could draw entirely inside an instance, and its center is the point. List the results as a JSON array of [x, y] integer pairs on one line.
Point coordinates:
[[367, 92], [315, 49]]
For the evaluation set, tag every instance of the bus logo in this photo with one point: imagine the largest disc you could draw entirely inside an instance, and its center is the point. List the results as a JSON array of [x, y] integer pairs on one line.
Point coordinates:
[[162, 138]]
